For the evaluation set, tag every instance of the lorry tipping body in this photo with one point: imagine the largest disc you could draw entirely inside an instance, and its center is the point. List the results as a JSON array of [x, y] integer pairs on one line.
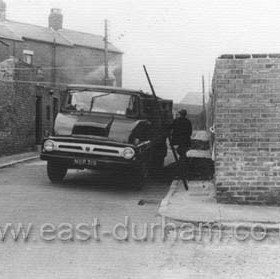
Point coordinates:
[[101, 127]]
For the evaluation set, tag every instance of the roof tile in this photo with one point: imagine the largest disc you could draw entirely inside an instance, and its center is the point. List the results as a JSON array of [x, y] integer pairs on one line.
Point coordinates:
[[86, 39], [7, 33], [18, 31]]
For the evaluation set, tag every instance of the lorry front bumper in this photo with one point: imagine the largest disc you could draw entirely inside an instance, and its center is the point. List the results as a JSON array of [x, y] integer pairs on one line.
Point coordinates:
[[86, 153], [81, 161], [82, 154]]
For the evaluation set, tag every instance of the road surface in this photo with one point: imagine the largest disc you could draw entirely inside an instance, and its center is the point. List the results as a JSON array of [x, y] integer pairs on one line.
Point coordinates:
[[78, 230]]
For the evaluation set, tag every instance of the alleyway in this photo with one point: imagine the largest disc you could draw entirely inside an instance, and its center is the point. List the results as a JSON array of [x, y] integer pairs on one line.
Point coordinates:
[[28, 197]]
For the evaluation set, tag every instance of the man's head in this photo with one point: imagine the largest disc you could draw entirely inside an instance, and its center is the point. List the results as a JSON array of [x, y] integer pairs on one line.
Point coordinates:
[[182, 113]]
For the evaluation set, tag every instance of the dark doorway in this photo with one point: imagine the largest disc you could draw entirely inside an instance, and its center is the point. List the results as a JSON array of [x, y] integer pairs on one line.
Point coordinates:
[[38, 119]]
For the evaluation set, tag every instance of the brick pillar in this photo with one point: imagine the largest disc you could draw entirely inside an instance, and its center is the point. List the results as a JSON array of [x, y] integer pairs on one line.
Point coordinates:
[[247, 134]]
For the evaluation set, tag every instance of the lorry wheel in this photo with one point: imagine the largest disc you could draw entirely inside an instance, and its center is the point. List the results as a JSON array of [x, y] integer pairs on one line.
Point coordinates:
[[56, 171]]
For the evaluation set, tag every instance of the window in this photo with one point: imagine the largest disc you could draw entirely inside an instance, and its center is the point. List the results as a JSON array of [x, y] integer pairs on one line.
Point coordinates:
[[28, 56], [97, 101], [132, 108]]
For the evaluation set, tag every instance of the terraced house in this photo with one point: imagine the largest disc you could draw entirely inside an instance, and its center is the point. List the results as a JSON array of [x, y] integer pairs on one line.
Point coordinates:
[[35, 62]]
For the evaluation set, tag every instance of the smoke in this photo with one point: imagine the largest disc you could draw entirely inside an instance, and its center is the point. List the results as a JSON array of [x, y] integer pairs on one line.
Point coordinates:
[[98, 75]]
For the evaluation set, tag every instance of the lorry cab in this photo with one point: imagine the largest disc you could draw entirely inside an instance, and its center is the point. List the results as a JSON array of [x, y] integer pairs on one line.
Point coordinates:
[[99, 127]]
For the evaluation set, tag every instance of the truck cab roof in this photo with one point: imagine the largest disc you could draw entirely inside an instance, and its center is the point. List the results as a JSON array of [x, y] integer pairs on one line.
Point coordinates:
[[109, 89]]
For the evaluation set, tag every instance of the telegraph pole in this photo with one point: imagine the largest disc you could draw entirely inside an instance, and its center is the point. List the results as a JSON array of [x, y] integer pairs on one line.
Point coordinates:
[[54, 63], [106, 53], [203, 103], [203, 93]]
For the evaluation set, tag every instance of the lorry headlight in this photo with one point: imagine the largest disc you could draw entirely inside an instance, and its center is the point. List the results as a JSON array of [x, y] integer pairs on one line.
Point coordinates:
[[128, 153], [49, 145]]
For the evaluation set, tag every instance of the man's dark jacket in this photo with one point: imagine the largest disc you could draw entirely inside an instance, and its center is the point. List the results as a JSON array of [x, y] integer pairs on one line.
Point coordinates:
[[181, 132]]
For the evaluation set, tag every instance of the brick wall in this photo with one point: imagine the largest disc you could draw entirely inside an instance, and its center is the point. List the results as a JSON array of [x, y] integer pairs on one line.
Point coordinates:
[[210, 114], [17, 113], [86, 65], [7, 118], [247, 136]]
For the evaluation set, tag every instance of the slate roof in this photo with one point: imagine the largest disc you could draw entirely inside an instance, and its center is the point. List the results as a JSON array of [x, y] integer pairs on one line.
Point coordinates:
[[7, 33], [86, 39], [19, 31]]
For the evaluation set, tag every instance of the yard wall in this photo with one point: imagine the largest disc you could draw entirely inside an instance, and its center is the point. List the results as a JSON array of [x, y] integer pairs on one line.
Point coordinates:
[[247, 129]]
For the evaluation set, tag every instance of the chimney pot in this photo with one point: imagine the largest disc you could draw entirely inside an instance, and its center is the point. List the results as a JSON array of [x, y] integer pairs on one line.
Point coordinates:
[[55, 19], [2, 10]]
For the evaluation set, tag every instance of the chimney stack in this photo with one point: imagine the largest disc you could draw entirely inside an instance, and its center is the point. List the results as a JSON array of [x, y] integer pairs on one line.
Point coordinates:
[[55, 19], [2, 10]]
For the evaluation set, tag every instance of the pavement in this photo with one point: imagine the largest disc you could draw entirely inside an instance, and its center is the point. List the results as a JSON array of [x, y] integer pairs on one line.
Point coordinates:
[[7, 161], [198, 204]]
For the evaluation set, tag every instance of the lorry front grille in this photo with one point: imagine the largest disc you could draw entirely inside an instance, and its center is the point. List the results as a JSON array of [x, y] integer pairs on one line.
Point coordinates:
[[92, 149], [70, 147], [106, 150]]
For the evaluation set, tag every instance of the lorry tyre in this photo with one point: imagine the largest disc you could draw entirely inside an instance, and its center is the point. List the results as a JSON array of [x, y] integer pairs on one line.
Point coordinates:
[[56, 171]]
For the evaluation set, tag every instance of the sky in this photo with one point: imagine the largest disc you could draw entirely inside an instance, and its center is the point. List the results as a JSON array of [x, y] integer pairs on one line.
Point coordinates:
[[177, 40]]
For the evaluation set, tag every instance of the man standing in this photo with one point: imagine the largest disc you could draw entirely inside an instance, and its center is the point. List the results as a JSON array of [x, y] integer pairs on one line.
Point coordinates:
[[181, 132]]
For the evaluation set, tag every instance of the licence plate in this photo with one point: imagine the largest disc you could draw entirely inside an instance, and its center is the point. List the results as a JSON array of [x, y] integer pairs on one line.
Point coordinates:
[[85, 162]]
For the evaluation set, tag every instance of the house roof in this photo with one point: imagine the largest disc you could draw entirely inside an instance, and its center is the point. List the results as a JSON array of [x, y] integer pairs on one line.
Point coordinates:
[[33, 32], [191, 108], [86, 39], [7, 33], [193, 98], [19, 31]]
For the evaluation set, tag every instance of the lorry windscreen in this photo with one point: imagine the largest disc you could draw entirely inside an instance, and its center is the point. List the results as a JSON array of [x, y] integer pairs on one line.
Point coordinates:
[[92, 101]]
